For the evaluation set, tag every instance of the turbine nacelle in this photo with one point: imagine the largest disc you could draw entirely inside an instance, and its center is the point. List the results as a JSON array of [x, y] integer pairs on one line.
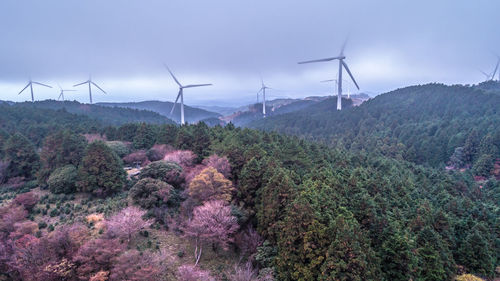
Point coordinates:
[[181, 92]]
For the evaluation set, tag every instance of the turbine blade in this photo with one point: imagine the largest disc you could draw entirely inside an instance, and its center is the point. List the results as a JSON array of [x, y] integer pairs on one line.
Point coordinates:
[[24, 88], [173, 76], [320, 60], [196, 85], [173, 107], [343, 46], [496, 68], [98, 87], [330, 80], [350, 74], [60, 95], [38, 83], [81, 83]]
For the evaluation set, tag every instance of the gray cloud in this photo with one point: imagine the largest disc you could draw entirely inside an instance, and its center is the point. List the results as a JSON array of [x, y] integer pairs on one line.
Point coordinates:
[[123, 43]]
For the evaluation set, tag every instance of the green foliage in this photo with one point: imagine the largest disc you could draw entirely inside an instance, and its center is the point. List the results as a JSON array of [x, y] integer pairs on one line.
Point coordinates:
[[118, 147], [399, 125], [145, 137], [166, 171], [483, 166], [476, 254], [63, 180], [21, 156], [60, 149], [149, 193], [101, 172]]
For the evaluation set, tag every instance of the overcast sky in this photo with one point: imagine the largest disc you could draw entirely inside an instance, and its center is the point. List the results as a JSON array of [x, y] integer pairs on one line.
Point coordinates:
[[123, 43]]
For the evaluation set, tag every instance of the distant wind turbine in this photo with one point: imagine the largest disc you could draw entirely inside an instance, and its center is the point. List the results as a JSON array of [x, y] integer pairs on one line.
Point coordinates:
[[336, 85], [61, 94], [488, 76], [30, 84], [263, 90], [90, 82], [181, 93], [496, 69], [342, 65]]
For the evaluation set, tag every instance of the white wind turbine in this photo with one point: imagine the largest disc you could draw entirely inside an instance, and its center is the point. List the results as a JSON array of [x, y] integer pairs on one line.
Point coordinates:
[[90, 82], [263, 90], [496, 69], [61, 94], [342, 65], [181, 93], [30, 84]]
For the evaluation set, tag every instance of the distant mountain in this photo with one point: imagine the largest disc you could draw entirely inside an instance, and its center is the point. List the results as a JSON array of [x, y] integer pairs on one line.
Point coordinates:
[[222, 110], [423, 124], [191, 114], [107, 115], [282, 106]]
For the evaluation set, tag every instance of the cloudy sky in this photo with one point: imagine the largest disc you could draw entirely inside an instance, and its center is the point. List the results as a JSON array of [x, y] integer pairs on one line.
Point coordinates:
[[229, 43]]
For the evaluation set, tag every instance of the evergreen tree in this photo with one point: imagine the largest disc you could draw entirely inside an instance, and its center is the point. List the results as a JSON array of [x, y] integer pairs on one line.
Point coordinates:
[[22, 157], [476, 256], [60, 149], [101, 171], [144, 137]]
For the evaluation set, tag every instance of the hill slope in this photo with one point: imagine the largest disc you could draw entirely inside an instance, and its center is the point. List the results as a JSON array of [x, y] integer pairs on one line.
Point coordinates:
[[191, 114], [422, 124], [107, 115]]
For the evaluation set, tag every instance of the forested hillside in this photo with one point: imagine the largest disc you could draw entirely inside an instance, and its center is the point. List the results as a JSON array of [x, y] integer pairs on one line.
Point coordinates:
[[192, 114], [107, 115], [224, 203], [430, 124]]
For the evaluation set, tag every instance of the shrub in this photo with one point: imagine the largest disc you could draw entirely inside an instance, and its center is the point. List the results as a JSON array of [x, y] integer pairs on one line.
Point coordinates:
[[27, 200], [149, 192], [63, 180], [168, 172]]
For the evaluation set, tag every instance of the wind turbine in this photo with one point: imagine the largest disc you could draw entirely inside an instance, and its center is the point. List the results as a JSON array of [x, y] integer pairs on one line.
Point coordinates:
[[90, 82], [181, 93], [30, 84], [263, 90], [496, 69], [488, 76], [342, 65], [61, 94]]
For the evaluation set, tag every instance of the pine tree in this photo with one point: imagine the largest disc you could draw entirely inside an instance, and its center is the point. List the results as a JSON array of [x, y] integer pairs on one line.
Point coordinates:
[[22, 157], [101, 171]]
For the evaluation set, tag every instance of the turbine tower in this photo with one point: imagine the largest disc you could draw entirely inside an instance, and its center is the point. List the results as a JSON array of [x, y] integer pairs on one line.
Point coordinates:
[[496, 69], [263, 90], [181, 93], [30, 84], [61, 94], [90, 82], [342, 65]]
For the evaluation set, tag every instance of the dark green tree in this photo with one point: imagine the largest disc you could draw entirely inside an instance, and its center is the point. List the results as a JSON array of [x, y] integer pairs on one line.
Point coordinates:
[[483, 165], [101, 171], [63, 180], [149, 193], [476, 255], [22, 157], [60, 149], [144, 137]]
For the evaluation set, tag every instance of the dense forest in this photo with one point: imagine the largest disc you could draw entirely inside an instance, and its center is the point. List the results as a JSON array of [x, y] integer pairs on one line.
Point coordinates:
[[107, 115], [83, 200], [192, 114], [432, 124]]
